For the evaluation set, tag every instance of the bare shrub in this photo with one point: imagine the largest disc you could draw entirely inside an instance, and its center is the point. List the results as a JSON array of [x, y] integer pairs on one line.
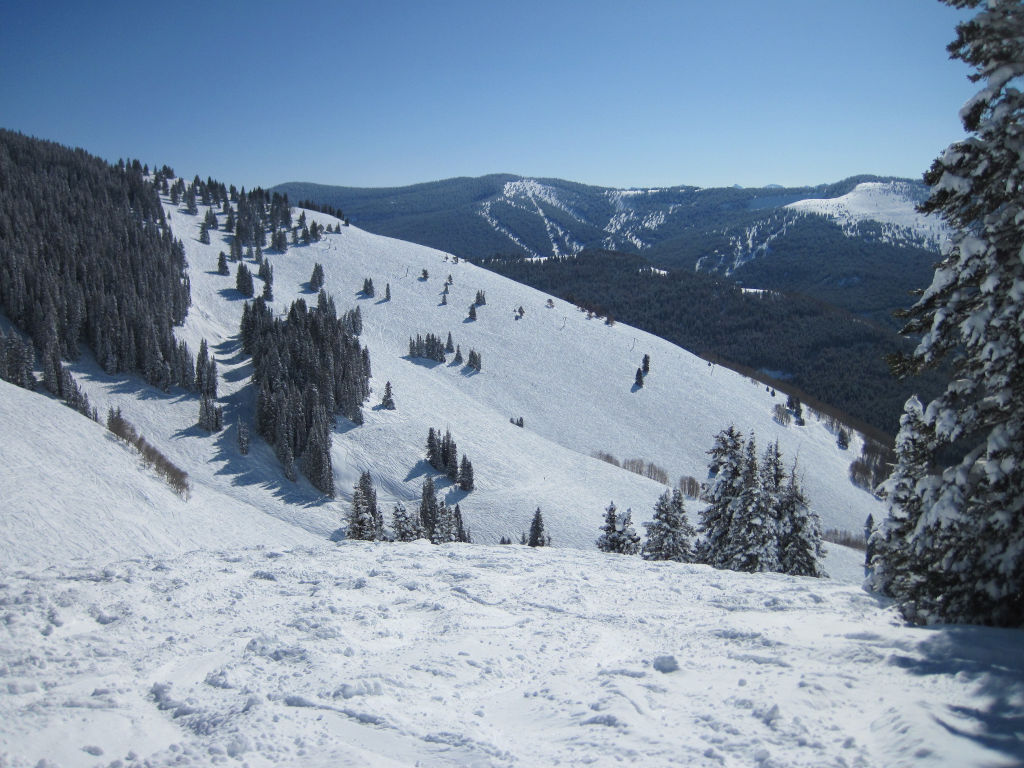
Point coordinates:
[[608, 458], [174, 476]]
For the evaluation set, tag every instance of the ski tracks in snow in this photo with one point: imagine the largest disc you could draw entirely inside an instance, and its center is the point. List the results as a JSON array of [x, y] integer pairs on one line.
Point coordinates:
[[389, 654]]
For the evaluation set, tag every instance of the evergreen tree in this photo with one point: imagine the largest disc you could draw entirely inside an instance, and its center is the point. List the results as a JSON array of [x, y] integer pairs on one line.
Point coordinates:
[[316, 280], [646, 365], [618, 534], [458, 356], [433, 449], [800, 548], [387, 292], [753, 533], [461, 530], [243, 280], [406, 527], [449, 346], [364, 517], [466, 482], [969, 537], [243, 438], [368, 287], [669, 534], [388, 401], [726, 469], [472, 311], [638, 381], [222, 264], [428, 508], [537, 537]]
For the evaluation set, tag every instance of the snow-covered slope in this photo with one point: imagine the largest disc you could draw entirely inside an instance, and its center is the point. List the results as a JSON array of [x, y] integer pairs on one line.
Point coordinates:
[[569, 378], [69, 489], [467, 655], [891, 204]]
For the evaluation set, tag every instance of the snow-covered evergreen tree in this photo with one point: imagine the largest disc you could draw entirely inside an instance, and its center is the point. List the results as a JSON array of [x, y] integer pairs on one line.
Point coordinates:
[[799, 544], [405, 526], [970, 535], [364, 518], [669, 534], [726, 471], [752, 544], [617, 533]]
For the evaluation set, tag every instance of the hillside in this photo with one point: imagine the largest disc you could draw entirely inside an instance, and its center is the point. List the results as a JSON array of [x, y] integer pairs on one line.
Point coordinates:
[[142, 628], [843, 253]]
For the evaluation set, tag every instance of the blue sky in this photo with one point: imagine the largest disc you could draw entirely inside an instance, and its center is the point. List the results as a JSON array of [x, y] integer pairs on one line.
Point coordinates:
[[389, 93]]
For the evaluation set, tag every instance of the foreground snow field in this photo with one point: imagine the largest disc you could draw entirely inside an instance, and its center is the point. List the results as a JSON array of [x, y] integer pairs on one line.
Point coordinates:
[[398, 655]]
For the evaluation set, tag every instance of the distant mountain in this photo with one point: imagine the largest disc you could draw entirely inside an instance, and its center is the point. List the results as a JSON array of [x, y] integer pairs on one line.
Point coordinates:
[[858, 243]]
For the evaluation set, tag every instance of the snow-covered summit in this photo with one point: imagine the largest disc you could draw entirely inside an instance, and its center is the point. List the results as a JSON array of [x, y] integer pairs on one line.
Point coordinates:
[[893, 204]]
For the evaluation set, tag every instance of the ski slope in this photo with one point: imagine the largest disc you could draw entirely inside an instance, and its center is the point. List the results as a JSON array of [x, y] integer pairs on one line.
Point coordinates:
[[569, 377], [376, 654], [143, 629]]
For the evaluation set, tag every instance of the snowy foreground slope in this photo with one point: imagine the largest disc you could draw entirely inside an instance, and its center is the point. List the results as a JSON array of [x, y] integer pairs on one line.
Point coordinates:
[[399, 655], [570, 379]]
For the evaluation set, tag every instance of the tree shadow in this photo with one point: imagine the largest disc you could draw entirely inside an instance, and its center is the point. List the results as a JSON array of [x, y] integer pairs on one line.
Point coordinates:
[[420, 469], [992, 660], [422, 361], [233, 294], [635, 388]]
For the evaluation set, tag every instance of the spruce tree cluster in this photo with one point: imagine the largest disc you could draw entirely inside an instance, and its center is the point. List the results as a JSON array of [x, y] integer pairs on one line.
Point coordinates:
[[480, 299], [473, 361], [757, 518], [429, 348], [439, 522], [211, 415], [316, 280], [952, 547], [443, 455], [307, 367], [368, 290], [86, 256]]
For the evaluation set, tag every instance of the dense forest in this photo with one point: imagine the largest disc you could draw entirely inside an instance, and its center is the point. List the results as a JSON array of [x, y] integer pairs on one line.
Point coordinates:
[[802, 343], [86, 256]]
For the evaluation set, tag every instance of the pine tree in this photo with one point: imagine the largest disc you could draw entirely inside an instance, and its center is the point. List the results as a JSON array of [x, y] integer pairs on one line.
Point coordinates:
[[537, 538], [472, 311], [316, 280], [800, 548], [243, 438], [458, 356], [449, 346], [726, 469], [896, 566], [243, 280], [753, 533], [638, 381], [364, 517], [970, 532], [466, 482], [222, 264], [388, 401], [428, 508], [405, 526], [618, 534], [669, 534], [646, 365]]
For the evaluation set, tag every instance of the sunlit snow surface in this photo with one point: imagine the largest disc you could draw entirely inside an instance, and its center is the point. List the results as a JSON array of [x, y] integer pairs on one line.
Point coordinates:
[[399, 655], [891, 204], [140, 628]]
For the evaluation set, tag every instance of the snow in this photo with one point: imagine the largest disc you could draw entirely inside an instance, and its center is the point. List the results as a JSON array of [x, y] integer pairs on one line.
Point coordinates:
[[140, 626], [570, 378], [891, 204], [403, 654]]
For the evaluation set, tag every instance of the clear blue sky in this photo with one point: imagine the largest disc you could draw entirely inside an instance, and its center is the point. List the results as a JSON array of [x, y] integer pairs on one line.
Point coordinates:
[[382, 93]]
